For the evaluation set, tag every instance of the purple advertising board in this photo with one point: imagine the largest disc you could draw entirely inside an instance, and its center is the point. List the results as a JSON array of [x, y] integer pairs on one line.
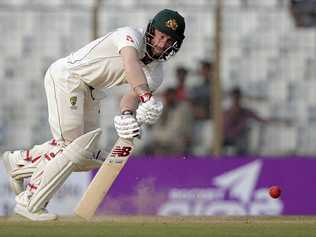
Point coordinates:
[[201, 187]]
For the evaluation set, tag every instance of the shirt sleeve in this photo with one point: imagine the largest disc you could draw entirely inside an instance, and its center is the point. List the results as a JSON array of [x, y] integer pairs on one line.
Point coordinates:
[[127, 36]]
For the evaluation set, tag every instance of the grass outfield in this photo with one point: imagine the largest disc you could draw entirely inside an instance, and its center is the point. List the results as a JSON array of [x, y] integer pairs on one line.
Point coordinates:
[[163, 226]]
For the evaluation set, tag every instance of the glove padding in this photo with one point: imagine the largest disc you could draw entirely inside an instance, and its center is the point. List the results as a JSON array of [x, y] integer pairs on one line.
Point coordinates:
[[149, 112], [127, 126]]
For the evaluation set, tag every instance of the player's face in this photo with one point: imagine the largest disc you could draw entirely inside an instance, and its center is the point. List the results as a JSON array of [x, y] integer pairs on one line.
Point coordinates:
[[161, 42]]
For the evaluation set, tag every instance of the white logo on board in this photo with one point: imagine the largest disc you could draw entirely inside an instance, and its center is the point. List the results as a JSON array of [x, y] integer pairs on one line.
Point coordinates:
[[235, 193]]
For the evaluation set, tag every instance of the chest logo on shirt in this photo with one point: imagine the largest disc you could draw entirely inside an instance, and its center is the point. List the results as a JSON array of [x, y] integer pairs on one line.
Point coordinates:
[[73, 102], [129, 38]]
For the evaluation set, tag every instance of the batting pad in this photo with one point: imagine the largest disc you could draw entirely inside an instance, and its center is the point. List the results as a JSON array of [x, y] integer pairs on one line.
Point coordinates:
[[31, 159], [53, 175]]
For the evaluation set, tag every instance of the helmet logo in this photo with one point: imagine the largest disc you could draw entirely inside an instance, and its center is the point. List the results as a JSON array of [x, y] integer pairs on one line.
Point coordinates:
[[172, 24]]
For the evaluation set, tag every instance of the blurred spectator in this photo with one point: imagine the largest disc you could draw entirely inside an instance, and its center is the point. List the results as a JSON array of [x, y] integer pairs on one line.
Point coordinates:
[[200, 95], [171, 135], [237, 119], [181, 77], [303, 12]]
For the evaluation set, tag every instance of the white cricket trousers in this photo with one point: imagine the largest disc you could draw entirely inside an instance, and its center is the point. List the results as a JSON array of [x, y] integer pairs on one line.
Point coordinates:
[[72, 110]]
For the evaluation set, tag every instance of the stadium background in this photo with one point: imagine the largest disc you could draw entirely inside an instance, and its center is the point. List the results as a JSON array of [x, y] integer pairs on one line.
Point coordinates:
[[262, 51]]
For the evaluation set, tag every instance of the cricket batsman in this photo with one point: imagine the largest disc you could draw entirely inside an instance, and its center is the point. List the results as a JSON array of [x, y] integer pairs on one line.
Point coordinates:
[[72, 84]]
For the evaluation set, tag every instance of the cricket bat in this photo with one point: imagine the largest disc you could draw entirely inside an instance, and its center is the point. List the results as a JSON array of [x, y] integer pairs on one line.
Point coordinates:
[[103, 180]]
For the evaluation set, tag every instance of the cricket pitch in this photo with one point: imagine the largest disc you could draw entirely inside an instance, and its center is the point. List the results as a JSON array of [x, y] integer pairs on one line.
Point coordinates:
[[139, 226]]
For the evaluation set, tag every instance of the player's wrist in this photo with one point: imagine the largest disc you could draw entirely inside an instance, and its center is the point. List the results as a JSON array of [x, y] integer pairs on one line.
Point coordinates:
[[143, 92], [145, 97]]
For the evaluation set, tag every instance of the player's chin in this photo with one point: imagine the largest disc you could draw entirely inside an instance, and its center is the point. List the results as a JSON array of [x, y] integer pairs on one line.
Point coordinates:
[[157, 54]]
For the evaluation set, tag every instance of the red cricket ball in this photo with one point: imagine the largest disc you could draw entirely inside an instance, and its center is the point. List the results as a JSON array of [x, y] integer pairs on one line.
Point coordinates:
[[275, 191]]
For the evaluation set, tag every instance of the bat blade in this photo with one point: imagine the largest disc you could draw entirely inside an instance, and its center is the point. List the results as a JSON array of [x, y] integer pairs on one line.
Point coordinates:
[[103, 180]]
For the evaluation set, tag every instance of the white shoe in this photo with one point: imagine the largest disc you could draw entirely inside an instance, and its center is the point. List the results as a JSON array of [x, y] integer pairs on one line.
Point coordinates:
[[41, 215], [10, 159]]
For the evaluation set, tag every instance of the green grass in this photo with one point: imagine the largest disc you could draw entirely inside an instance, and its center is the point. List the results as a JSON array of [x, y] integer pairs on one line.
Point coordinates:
[[163, 226]]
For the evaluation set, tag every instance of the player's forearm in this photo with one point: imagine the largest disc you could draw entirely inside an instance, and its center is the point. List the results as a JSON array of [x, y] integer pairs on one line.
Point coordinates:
[[138, 81], [135, 74], [129, 102]]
